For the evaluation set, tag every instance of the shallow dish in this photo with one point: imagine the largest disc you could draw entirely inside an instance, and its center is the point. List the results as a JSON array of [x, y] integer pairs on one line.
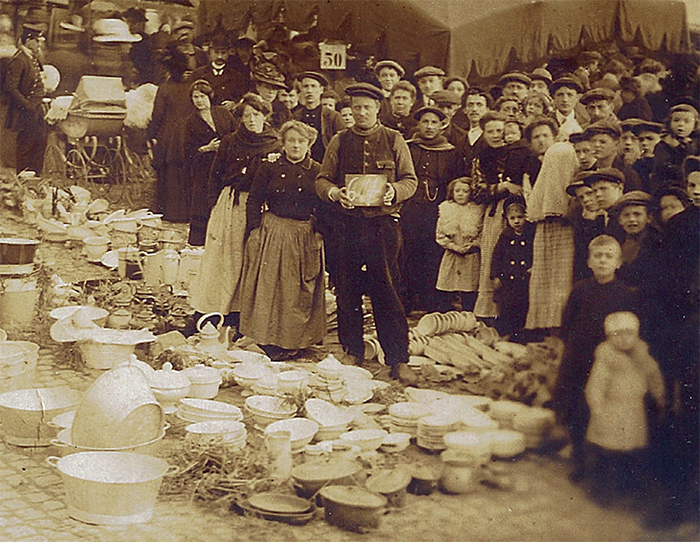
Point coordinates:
[[212, 409], [367, 439], [302, 431]]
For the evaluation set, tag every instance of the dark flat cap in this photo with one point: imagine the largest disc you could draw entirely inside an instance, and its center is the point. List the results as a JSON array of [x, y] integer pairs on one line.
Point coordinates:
[[423, 110], [518, 77], [566, 81], [540, 74], [33, 29], [648, 126], [366, 90], [596, 94], [609, 174], [314, 75], [577, 182], [578, 137], [389, 64], [635, 197], [425, 71], [604, 127], [446, 97]]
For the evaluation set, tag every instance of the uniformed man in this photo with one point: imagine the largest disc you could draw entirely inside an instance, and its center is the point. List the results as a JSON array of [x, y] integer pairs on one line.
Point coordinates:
[[326, 121], [25, 91], [368, 235]]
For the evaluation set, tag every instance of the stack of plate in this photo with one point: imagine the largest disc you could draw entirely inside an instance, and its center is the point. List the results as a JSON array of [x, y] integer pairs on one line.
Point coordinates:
[[404, 417], [231, 433], [331, 388], [278, 507], [432, 430], [205, 410]]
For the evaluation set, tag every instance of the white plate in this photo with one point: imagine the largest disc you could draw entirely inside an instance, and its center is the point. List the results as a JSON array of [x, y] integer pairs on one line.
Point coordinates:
[[110, 259]]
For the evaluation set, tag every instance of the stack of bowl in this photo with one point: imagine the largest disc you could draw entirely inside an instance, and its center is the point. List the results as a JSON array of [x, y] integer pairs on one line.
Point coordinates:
[[247, 373], [302, 431], [504, 412], [470, 443], [404, 417], [333, 421], [267, 409], [367, 439], [231, 433], [432, 430], [266, 385], [395, 442], [205, 410], [535, 423], [205, 381], [292, 381]]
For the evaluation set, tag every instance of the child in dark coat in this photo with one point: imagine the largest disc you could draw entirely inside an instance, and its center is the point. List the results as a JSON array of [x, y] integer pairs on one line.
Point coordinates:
[[510, 269], [590, 301]]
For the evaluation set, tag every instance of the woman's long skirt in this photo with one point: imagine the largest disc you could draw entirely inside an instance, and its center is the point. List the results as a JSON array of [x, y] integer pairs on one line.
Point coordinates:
[[216, 287], [493, 226], [283, 284], [552, 272]]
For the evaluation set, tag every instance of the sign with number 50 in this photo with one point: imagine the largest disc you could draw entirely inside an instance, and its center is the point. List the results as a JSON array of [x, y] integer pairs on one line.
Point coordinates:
[[333, 56]]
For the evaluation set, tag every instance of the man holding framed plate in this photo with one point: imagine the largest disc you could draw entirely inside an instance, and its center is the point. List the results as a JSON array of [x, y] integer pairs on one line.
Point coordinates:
[[367, 172]]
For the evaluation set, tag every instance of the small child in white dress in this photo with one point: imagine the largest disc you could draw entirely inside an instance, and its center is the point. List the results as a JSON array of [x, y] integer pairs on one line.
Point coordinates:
[[458, 231]]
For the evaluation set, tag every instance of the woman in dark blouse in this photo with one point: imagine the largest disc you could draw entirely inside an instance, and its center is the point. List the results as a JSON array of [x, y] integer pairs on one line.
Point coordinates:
[[283, 287], [217, 285], [203, 134]]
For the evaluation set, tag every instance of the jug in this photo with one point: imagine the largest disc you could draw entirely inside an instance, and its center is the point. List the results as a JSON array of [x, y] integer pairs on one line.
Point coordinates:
[[278, 444], [189, 264], [170, 265], [210, 337], [151, 265]]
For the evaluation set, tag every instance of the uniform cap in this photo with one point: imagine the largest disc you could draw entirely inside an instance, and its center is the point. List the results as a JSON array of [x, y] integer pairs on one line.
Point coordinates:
[[313, 75], [365, 89]]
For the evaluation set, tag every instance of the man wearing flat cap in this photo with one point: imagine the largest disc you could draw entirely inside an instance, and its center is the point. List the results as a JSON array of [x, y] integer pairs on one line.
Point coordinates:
[[388, 73], [565, 94], [649, 134], [366, 174], [429, 80], [327, 122], [25, 91], [228, 84], [608, 185], [449, 103], [599, 105], [515, 85], [540, 79]]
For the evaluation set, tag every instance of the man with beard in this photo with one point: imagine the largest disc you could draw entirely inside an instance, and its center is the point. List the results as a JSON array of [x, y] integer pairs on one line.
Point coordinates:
[[227, 83]]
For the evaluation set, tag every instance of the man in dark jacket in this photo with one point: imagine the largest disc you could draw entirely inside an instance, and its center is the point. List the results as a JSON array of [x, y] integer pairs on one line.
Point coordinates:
[[367, 173], [25, 91], [228, 85]]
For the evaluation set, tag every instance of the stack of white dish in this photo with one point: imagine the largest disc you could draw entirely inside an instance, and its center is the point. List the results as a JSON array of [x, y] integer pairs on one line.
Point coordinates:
[[535, 423], [333, 421], [205, 410], [504, 412], [292, 381], [506, 444], [470, 443], [432, 430], [247, 373], [229, 432], [302, 431], [328, 388], [395, 442], [266, 385], [267, 409], [404, 417], [367, 439]]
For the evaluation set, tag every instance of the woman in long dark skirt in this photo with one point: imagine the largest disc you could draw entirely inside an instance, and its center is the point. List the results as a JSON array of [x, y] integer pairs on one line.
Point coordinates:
[[283, 287], [203, 134]]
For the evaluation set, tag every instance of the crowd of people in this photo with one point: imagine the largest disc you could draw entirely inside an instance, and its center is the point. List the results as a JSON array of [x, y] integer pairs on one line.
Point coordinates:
[[559, 202]]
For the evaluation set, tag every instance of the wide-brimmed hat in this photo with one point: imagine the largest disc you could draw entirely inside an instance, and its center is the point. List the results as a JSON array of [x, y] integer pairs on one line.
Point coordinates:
[[75, 24], [389, 64], [267, 72], [113, 31]]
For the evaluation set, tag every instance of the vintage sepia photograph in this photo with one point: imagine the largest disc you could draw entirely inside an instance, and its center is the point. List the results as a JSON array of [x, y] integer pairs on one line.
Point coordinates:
[[342, 270]]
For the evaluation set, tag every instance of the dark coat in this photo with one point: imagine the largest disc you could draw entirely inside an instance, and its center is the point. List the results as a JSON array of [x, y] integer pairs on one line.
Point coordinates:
[[231, 85], [636, 109], [668, 160], [405, 125], [469, 152], [435, 167], [331, 124], [24, 90], [197, 134]]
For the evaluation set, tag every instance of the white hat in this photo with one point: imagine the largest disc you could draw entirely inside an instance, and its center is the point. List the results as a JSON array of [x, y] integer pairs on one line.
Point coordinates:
[[617, 321], [113, 31], [75, 24]]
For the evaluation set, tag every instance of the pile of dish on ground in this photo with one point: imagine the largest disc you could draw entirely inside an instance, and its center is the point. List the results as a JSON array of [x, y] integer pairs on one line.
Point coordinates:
[[279, 440]]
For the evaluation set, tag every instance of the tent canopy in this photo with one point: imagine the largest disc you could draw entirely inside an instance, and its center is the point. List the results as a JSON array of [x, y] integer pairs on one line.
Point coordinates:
[[475, 38]]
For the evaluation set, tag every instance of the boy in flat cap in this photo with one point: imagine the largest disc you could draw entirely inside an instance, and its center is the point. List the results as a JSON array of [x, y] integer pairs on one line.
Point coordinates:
[[429, 80], [449, 103], [388, 73], [367, 233], [326, 121], [605, 138], [25, 91]]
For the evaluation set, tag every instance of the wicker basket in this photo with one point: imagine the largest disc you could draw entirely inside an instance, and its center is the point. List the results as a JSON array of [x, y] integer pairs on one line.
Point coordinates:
[[103, 355]]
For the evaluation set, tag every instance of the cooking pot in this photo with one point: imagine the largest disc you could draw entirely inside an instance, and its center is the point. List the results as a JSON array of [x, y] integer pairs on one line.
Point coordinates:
[[15, 251]]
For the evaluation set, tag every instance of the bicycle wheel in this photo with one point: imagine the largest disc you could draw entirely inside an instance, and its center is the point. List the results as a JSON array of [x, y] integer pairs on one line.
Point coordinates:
[[76, 168], [55, 166], [114, 184]]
